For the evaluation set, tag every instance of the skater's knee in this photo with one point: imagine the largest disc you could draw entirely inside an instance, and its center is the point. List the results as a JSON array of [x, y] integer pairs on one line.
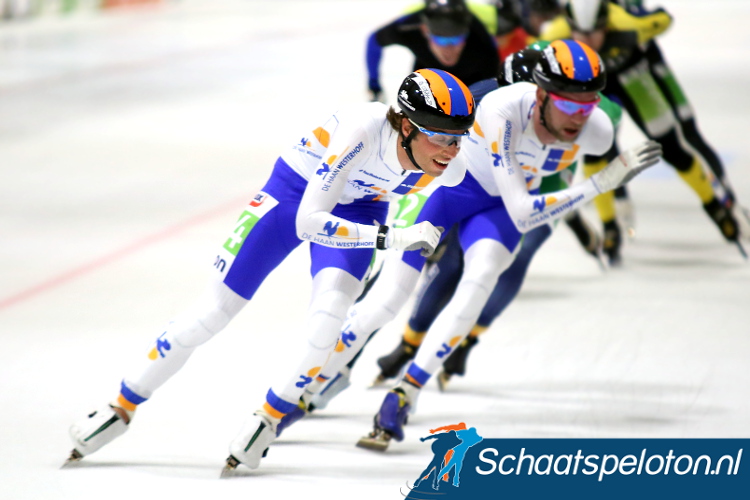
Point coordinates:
[[192, 332], [469, 299], [208, 316], [326, 315], [485, 261]]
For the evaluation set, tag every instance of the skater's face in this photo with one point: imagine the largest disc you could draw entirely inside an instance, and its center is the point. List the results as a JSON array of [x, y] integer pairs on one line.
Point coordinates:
[[433, 149], [566, 113]]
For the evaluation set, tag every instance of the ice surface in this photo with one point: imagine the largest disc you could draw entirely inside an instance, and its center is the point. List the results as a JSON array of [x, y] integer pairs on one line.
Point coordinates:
[[129, 143]]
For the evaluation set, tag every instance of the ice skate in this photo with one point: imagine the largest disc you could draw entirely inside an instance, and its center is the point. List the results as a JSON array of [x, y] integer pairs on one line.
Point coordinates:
[[336, 386], [612, 243], [251, 444], [586, 235], [726, 222], [392, 364], [378, 381], [98, 429], [443, 378], [389, 422], [377, 440], [742, 216], [456, 362]]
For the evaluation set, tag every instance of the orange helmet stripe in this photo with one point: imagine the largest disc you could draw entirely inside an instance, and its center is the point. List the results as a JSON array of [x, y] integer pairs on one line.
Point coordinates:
[[564, 58], [439, 89], [451, 94], [577, 60]]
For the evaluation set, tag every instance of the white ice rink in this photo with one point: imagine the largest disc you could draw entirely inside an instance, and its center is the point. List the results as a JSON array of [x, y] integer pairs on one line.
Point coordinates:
[[129, 143]]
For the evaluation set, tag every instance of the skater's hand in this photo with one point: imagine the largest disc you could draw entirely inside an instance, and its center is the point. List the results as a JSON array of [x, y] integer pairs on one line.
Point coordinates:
[[423, 235], [626, 166]]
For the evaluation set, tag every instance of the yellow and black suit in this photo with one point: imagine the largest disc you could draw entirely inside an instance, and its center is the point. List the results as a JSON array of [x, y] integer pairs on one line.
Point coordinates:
[[639, 79]]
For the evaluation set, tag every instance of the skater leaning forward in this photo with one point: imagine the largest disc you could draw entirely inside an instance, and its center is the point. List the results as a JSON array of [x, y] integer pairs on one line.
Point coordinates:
[[327, 190], [523, 132]]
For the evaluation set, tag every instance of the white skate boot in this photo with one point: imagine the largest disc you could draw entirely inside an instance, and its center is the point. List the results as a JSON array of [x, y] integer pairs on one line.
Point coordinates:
[[98, 429], [251, 444]]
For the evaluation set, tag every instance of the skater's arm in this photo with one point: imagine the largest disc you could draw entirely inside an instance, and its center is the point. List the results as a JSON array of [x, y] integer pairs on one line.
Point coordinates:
[[315, 222], [527, 211]]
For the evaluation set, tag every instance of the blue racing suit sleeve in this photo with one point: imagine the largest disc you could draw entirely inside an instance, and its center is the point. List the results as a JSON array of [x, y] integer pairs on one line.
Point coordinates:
[[373, 55], [396, 32], [482, 88]]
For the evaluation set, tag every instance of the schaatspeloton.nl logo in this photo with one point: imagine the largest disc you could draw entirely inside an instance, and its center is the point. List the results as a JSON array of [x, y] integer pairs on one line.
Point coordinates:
[[465, 464]]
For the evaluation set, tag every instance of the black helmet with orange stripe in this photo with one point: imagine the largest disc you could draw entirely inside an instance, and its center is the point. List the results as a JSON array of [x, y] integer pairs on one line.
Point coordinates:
[[437, 99], [570, 66]]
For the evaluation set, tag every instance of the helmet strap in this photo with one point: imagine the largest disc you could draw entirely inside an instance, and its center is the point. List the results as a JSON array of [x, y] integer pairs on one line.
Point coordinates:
[[406, 144]]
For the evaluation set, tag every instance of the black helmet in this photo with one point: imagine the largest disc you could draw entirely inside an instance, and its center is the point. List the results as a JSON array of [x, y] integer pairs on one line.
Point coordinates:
[[587, 15], [509, 15], [435, 98], [570, 66], [446, 17], [519, 66]]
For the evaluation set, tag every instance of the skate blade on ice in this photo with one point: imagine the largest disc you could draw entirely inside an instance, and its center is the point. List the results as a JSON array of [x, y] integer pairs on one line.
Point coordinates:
[[741, 249], [229, 467], [383, 381], [379, 381], [377, 440], [74, 458], [443, 379], [601, 260], [742, 216]]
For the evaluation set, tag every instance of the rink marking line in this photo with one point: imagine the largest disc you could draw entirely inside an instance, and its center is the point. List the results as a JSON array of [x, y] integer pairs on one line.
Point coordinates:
[[121, 253]]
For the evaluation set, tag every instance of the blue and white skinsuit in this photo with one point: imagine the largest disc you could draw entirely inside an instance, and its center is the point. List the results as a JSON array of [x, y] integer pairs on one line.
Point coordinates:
[[496, 202], [328, 189]]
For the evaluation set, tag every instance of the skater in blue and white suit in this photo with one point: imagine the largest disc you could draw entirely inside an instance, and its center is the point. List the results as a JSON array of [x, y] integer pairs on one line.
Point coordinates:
[[523, 133], [328, 189]]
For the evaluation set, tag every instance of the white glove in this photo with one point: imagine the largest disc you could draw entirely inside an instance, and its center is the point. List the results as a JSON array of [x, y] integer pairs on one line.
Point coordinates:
[[626, 166], [423, 235]]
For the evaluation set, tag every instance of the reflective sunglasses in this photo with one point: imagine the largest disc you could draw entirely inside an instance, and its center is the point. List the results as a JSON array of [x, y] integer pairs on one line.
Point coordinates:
[[570, 107], [443, 139], [445, 41]]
